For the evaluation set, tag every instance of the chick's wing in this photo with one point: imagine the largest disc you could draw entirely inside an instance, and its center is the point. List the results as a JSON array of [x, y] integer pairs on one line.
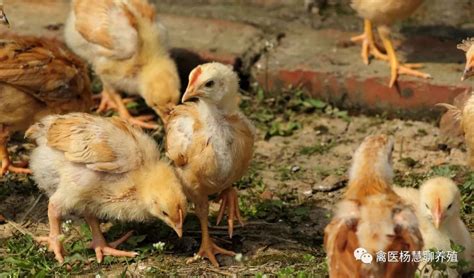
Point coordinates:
[[110, 25], [107, 145], [182, 140]]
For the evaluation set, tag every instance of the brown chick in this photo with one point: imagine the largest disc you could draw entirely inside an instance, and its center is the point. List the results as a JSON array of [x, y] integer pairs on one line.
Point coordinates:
[[211, 144], [38, 77], [384, 13], [102, 167], [122, 40], [371, 216], [458, 119]]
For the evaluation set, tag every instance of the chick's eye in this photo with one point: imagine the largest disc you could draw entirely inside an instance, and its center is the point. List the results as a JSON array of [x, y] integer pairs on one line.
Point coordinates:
[[164, 213], [426, 205], [450, 205], [209, 84]]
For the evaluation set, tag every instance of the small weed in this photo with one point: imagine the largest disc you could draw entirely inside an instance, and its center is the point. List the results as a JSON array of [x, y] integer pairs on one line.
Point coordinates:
[[318, 148]]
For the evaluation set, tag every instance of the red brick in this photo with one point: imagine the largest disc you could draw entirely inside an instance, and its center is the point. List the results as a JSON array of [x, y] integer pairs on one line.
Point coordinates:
[[328, 67]]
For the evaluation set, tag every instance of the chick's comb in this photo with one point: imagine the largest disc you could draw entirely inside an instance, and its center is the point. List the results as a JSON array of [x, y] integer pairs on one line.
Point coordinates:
[[466, 44], [195, 76]]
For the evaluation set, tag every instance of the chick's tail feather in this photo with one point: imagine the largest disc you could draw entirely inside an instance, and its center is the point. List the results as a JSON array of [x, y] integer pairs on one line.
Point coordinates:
[[450, 125]]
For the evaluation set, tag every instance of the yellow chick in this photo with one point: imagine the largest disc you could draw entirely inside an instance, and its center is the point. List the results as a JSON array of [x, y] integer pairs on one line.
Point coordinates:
[[440, 202], [102, 167], [432, 237], [371, 218], [211, 144], [123, 42], [384, 13]]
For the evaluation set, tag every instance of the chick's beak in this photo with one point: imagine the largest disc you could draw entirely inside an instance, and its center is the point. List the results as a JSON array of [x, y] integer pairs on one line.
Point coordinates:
[[3, 17], [191, 92], [178, 227], [437, 215], [469, 69]]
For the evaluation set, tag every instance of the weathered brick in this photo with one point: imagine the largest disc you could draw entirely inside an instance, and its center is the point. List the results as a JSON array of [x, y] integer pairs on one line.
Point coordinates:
[[329, 67]]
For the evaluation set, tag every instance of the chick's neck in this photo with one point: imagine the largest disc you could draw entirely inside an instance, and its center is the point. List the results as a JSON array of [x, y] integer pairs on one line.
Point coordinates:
[[367, 179]]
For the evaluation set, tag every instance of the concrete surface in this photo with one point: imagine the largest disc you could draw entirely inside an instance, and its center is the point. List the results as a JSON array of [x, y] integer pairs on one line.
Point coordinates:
[[280, 45]]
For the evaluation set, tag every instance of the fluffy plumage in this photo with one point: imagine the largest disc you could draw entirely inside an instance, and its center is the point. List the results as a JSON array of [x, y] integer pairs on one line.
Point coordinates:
[[371, 216], [211, 143], [125, 44], [385, 12], [103, 167], [38, 77], [432, 237], [457, 121], [440, 201]]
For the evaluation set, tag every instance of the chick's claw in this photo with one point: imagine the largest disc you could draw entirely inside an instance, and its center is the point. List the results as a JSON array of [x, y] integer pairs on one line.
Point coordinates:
[[7, 166], [142, 121], [102, 248], [209, 250], [106, 103], [231, 202], [54, 245]]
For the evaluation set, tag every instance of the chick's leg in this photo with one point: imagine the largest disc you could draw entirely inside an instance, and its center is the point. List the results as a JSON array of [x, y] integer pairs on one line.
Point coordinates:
[[368, 44], [395, 67], [230, 201], [54, 239], [101, 247], [7, 165], [208, 248], [113, 100]]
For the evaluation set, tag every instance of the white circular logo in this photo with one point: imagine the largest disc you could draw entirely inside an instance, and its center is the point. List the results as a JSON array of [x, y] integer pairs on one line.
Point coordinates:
[[359, 252]]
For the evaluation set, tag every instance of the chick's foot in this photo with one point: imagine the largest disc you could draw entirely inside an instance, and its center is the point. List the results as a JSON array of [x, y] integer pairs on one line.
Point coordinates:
[[54, 244], [106, 103], [101, 247], [230, 201], [209, 250], [368, 44], [144, 121], [7, 166]]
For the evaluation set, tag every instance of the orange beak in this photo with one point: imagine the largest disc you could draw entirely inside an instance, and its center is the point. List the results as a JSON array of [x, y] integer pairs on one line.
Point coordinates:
[[190, 93], [3, 17], [469, 69], [437, 214], [179, 226]]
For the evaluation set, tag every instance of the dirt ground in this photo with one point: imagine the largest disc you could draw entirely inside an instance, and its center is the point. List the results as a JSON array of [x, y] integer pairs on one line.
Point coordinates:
[[299, 171]]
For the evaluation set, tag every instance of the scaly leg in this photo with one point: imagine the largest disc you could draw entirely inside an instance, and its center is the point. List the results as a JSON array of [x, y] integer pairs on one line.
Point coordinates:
[[230, 201], [395, 67], [208, 248], [6, 162], [53, 240], [112, 99], [368, 44], [101, 247]]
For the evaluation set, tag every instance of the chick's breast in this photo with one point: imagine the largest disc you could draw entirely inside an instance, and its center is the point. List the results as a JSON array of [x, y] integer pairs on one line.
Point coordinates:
[[209, 158]]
